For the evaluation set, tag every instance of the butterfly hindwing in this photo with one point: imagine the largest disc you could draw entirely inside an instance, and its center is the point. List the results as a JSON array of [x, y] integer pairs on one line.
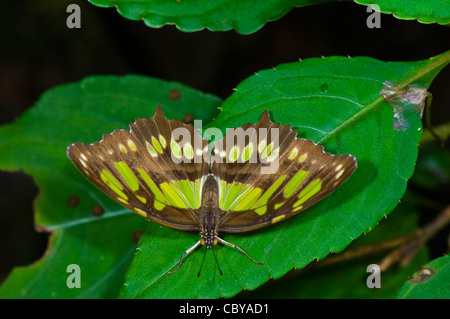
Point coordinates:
[[154, 170], [283, 180]]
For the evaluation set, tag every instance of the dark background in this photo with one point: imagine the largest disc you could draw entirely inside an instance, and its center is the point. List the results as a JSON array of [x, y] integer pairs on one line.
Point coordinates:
[[39, 52]]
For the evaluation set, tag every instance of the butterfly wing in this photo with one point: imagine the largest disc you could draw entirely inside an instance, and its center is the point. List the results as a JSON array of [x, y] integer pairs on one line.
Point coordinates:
[[156, 169], [271, 175]]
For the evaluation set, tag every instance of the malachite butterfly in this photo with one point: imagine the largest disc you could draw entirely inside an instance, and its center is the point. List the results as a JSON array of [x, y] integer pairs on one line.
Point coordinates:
[[257, 175]]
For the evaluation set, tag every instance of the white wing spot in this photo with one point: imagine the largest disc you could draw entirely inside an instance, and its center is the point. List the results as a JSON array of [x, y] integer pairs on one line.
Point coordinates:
[[293, 153], [83, 163], [234, 154], [162, 141], [261, 146], [188, 151], [151, 149], [131, 145], [122, 148], [339, 174], [302, 158], [273, 155]]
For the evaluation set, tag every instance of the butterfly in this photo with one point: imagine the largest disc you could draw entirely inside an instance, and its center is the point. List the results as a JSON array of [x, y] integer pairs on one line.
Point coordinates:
[[255, 176]]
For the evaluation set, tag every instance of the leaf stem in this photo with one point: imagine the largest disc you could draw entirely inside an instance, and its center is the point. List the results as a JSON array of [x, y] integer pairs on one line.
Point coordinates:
[[441, 61]]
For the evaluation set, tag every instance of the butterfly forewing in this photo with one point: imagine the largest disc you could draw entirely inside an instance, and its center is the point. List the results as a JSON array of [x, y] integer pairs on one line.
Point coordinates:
[[156, 170], [288, 176]]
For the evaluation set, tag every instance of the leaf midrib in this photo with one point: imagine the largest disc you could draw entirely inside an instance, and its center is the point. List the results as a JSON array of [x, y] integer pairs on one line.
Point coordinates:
[[442, 61]]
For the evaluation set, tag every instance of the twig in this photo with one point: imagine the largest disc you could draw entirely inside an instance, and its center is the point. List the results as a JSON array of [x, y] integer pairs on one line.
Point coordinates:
[[406, 246], [361, 252], [407, 250]]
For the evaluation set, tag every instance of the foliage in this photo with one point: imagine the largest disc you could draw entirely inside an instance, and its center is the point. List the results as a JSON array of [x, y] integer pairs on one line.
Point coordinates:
[[246, 16], [431, 281], [103, 245], [335, 101], [338, 115]]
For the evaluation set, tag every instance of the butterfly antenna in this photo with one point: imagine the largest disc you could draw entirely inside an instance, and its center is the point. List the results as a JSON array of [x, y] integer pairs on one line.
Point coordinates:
[[240, 249], [220, 270], [187, 252], [200, 270]]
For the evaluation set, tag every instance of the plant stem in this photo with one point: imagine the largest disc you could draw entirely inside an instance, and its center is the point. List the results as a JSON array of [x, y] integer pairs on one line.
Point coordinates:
[[406, 246], [407, 250]]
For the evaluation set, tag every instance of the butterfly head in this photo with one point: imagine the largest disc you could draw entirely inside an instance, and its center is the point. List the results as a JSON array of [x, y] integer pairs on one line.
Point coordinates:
[[209, 230], [209, 240]]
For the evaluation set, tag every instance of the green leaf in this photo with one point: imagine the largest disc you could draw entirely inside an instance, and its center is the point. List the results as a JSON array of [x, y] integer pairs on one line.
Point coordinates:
[[245, 16], [431, 281], [342, 281], [430, 11], [336, 102], [36, 143], [103, 261], [347, 278], [84, 111]]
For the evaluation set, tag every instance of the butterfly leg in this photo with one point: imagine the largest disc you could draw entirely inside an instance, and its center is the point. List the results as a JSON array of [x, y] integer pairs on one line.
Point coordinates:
[[187, 252], [238, 248]]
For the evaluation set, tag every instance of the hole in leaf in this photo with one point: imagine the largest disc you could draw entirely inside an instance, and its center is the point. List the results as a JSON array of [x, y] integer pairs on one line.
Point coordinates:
[[324, 87], [410, 98]]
